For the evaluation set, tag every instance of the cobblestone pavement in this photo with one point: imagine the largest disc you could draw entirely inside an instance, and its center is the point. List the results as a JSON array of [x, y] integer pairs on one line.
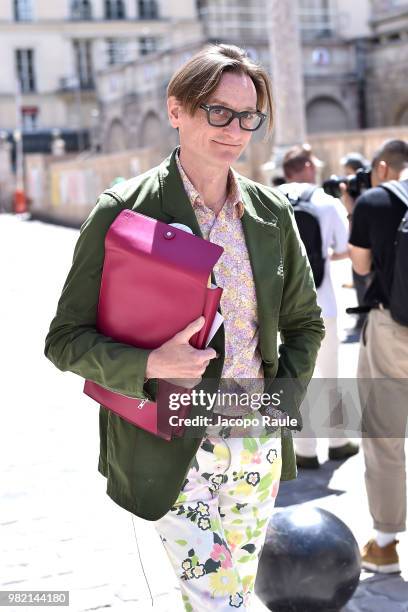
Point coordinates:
[[58, 529]]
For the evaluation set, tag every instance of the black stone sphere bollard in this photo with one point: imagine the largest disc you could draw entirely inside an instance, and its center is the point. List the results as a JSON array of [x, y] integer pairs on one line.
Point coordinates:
[[310, 562]]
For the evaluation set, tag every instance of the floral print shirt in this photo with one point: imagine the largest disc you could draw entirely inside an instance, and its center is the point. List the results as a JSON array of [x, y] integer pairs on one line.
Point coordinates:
[[233, 273]]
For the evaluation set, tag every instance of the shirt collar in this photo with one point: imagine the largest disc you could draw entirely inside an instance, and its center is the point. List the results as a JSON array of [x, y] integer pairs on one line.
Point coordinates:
[[234, 196]]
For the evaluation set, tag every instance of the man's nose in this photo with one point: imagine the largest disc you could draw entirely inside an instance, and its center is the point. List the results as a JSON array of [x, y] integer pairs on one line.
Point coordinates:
[[234, 127]]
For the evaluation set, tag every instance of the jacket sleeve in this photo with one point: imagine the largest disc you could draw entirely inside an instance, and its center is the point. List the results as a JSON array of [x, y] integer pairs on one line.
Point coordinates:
[[300, 323], [73, 342]]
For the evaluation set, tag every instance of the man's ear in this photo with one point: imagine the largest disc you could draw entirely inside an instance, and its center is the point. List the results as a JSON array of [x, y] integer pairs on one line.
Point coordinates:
[[382, 170], [174, 111]]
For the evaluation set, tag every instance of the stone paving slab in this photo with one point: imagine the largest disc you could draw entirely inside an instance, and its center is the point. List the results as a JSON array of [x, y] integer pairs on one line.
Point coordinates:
[[58, 529]]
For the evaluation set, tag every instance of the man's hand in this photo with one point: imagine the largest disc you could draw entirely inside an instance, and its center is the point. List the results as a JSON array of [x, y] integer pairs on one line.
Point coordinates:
[[177, 359]]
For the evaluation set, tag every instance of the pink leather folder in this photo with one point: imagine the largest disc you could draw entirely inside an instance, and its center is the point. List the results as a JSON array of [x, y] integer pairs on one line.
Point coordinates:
[[154, 283]]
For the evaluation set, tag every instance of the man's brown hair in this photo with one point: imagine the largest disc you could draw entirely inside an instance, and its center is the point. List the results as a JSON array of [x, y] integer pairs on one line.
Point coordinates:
[[295, 159], [198, 78], [394, 153]]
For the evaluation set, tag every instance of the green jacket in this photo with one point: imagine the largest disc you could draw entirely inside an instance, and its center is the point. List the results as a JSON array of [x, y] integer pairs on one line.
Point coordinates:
[[144, 473]]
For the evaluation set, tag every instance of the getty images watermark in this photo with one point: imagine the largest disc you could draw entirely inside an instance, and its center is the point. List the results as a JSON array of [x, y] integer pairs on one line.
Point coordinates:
[[221, 400], [328, 408]]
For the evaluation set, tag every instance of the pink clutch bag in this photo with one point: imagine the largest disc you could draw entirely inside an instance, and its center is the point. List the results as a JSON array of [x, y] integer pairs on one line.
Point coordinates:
[[154, 283]]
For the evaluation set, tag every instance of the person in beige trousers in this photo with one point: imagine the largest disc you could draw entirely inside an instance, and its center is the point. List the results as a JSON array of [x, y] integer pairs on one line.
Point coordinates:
[[383, 357]]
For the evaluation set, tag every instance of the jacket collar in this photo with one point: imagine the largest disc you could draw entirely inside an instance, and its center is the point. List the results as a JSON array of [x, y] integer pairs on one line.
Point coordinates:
[[176, 204], [174, 199]]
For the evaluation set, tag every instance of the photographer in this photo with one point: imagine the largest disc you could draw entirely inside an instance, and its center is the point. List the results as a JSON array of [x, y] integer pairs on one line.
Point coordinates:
[[384, 349], [352, 163]]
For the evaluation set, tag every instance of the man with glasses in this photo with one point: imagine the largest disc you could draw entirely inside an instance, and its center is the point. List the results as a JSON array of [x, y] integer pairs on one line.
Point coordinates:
[[211, 497]]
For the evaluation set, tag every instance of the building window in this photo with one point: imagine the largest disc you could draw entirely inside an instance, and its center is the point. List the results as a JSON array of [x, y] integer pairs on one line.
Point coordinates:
[[83, 63], [316, 18], [114, 9], [147, 44], [116, 51], [23, 10], [29, 118], [81, 9], [25, 70], [148, 9], [321, 57]]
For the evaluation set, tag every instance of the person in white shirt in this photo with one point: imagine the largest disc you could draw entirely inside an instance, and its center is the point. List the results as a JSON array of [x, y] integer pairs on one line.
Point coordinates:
[[300, 167]]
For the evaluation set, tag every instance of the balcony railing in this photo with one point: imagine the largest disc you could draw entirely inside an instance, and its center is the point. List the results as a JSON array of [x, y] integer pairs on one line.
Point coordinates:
[[72, 84], [317, 23], [252, 20]]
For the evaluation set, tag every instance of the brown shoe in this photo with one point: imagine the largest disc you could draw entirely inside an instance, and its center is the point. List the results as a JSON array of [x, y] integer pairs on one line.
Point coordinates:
[[382, 559]]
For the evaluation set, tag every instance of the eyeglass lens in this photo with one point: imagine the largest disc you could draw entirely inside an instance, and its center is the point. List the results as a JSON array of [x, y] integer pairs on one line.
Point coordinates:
[[220, 116]]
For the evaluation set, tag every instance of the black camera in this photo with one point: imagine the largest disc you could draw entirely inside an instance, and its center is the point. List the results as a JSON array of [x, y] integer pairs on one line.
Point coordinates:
[[356, 183]]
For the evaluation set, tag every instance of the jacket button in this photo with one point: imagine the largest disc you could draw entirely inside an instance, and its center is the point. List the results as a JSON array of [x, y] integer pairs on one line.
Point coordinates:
[[169, 235]]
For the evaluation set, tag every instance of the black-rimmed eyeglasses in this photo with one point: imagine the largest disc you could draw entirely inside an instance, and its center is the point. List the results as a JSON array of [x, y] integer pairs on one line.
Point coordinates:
[[220, 116]]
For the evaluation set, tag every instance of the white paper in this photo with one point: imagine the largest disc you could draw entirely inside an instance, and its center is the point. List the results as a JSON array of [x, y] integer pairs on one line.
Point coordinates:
[[218, 321], [182, 227]]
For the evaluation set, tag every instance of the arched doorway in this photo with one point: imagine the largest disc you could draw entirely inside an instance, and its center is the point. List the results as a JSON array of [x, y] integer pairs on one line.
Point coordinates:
[[325, 114], [152, 133], [402, 116], [116, 139]]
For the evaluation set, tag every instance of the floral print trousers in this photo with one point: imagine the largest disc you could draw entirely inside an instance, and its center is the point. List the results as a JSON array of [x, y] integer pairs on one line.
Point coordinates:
[[214, 533]]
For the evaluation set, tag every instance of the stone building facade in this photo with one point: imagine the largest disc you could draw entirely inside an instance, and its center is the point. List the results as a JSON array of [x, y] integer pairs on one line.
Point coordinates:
[[386, 64], [331, 58], [354, 56], [331, 67], [132, 107], [54, 51], [96, 70]]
